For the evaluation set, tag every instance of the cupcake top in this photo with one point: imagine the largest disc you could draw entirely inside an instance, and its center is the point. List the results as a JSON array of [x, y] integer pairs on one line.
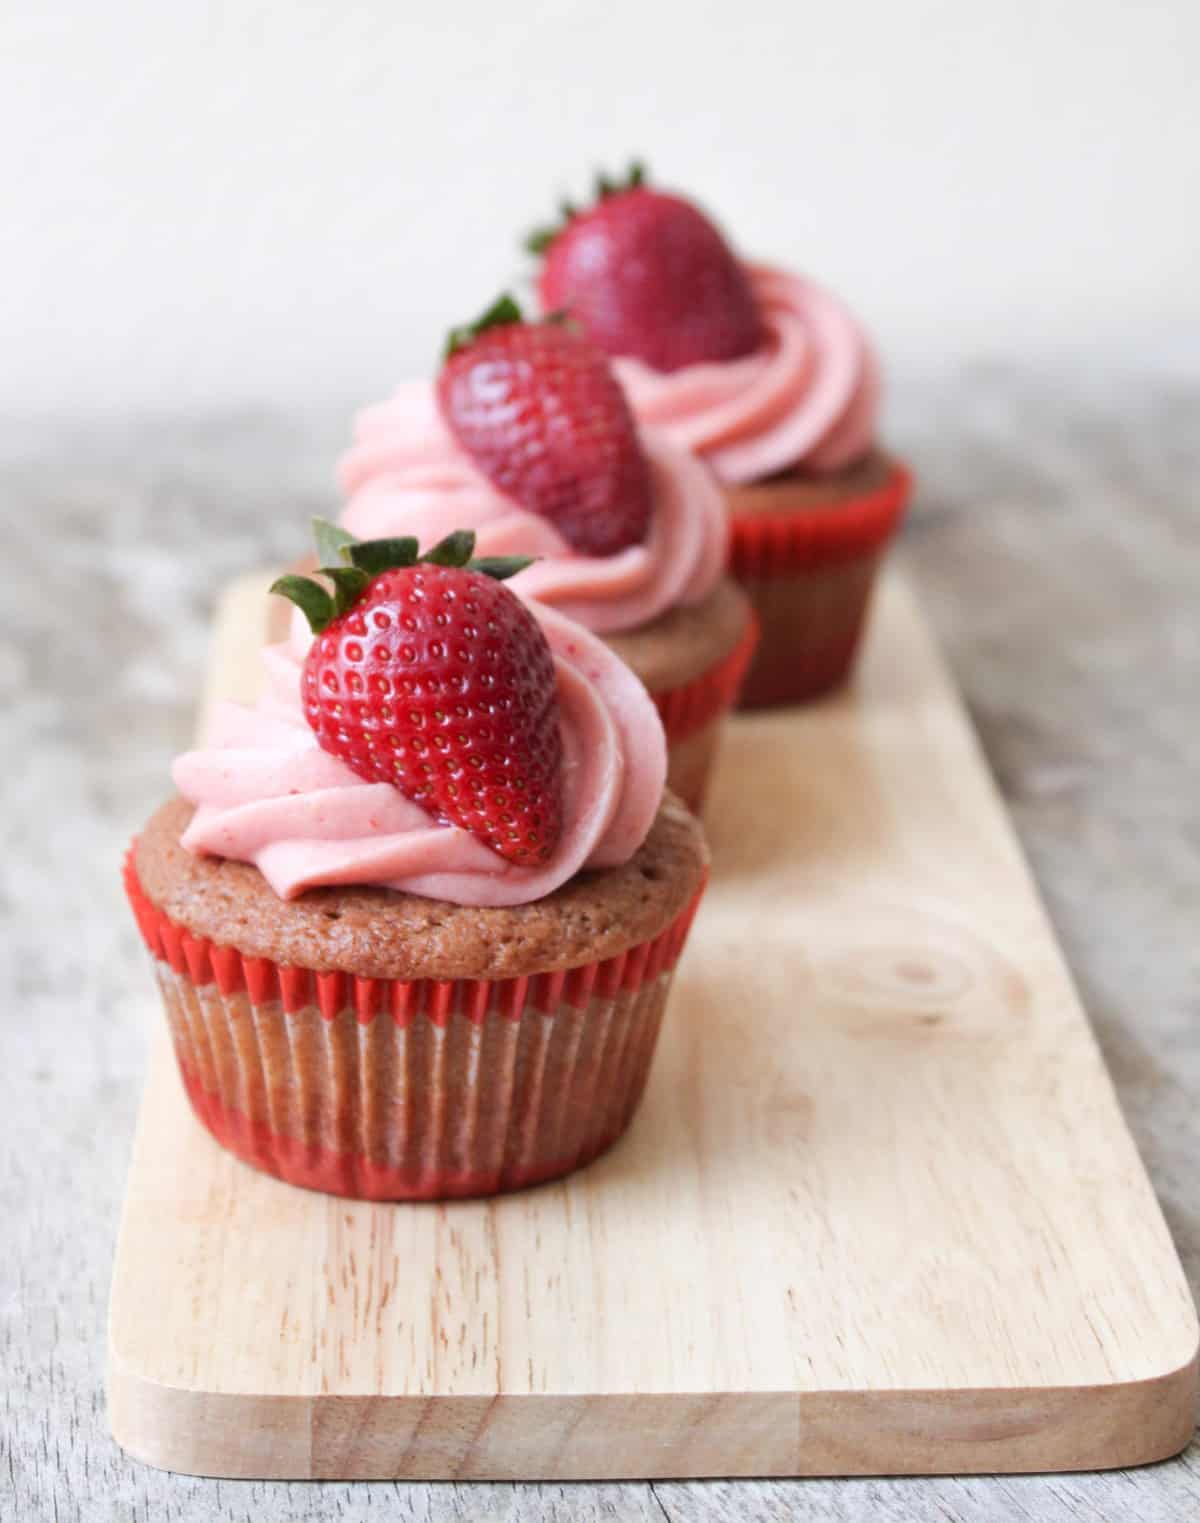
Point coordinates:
[[807, 398], [757, 370], [527, 440], [439, 736], [371, 933]]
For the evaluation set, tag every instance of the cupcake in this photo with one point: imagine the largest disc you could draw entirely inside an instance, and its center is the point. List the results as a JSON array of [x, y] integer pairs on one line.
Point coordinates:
[[769, 379], [527, 440], [415, 915]]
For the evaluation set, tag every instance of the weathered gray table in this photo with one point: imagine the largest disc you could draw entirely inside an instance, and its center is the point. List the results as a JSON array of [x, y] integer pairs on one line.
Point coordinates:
[[1057, 543]]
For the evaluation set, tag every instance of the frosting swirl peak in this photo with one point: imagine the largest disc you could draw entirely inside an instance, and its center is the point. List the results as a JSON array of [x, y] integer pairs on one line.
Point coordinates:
[[266, 793], [809, 397]]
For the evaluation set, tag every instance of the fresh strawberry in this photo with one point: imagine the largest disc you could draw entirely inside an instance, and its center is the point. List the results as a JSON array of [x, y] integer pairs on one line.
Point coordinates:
[[429, 674], [539, 411], [648, 275]]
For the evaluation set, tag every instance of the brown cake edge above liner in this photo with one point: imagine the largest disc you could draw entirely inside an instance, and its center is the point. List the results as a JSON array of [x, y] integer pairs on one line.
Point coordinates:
[[794, 489], [685, 641], [375, 933]]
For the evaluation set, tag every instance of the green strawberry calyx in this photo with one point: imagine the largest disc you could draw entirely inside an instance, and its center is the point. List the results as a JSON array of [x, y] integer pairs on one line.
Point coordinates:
[[350, 565], [540, 239], [503, 313]]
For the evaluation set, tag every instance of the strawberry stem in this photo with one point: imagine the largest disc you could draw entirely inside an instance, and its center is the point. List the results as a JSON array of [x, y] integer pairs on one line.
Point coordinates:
[[309, 597], [349, 584], [503, 310], [364, 560], [330, 540], [378, 555], [540, 239], [501, 567], [455, 550], [605, 185]]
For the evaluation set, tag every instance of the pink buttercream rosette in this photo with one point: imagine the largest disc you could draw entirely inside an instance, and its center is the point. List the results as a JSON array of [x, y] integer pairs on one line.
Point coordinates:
[[808, 398], [406, 474], [266, 793]]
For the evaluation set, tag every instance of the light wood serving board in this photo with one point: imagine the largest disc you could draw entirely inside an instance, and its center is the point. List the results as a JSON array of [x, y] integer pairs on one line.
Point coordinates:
[[879, 1211]]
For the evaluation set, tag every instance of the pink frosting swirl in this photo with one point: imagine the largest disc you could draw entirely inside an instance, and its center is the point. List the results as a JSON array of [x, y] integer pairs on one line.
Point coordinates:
[[809, 397], [266, 793], [405, 474]]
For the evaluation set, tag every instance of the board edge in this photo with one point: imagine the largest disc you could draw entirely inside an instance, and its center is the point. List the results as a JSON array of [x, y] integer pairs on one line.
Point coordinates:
[[559, 1438]]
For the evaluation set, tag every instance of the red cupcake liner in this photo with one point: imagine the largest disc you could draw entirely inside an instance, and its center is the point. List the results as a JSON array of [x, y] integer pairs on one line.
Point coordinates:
[[695, 704], [390, 1089], [779, 544], [692, 716], [813, 622]]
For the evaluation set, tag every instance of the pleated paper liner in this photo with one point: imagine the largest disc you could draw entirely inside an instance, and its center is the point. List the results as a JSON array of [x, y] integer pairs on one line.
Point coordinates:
[[783, 541], [692, 715], [385, 1089], [810, 571]]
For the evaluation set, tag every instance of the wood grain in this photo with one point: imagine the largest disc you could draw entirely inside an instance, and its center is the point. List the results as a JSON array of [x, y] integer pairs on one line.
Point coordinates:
[[880, 1213]]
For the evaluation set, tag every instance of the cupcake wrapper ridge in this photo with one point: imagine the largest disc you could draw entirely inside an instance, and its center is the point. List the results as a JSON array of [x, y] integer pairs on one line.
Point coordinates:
[[810, 572], [693, 705], [780, 544], [693, 715], [389, 1089]]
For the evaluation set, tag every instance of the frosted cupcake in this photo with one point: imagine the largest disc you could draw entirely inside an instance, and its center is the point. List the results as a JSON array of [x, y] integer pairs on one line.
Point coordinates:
[[769, 379], [415, 914], [527, 440]]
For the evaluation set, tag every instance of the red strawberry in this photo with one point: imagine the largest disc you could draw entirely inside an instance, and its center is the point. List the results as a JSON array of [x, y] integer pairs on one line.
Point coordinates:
[[432, 676], [539, 411], [648, 275]]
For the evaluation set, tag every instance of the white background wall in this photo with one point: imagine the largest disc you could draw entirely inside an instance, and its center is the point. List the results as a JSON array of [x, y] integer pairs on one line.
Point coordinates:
[[289, 200]]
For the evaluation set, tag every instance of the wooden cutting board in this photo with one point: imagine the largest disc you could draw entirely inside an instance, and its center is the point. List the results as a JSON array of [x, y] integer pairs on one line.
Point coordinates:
[[879, 1211]]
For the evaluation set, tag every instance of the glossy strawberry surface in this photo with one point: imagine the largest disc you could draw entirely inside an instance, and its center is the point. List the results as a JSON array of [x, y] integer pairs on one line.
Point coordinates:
[[648, 275], [440, 681], [537, 408]]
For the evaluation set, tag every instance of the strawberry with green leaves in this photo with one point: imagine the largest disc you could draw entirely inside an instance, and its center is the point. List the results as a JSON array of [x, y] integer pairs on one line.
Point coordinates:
[[538, 410], [426, 672], [646, 274]]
